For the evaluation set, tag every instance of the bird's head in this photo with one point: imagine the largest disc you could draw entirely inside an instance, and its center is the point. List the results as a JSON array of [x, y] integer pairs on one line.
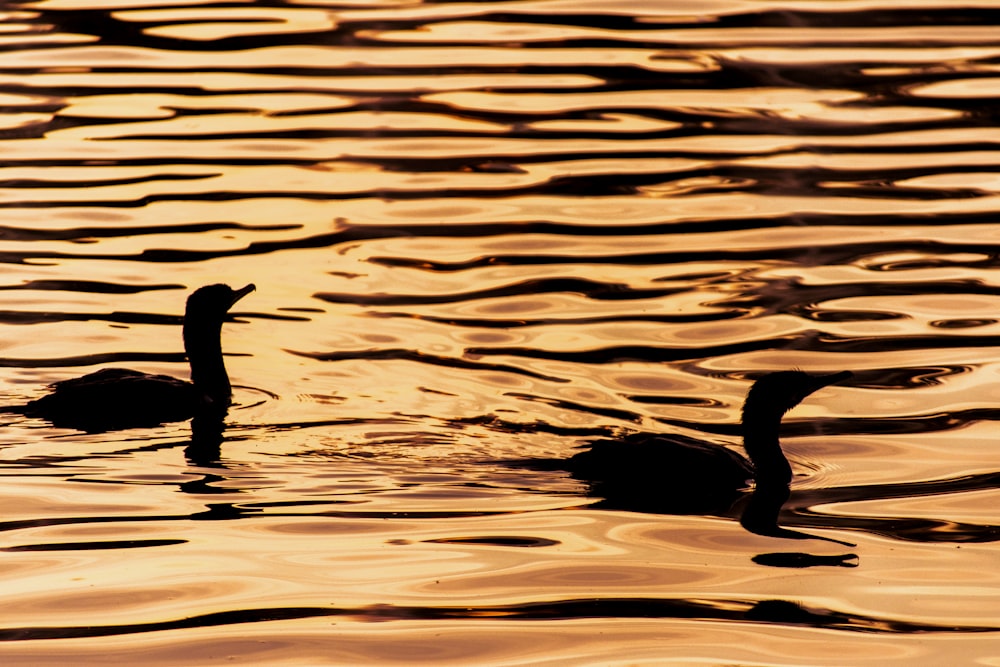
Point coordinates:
[[776, 393], [214, 301]]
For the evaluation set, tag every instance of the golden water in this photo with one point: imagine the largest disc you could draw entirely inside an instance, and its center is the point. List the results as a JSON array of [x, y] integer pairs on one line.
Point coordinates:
[[491, 231]]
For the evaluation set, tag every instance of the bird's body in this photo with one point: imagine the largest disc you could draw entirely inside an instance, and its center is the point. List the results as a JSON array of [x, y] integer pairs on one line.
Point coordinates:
[[668, 473], [115, 398], [681, 475], [119, 398]]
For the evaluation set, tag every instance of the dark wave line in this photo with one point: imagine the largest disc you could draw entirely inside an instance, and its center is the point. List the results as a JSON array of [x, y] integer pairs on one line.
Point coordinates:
[[497, 541], [41, 522], [809, 340], [423, 358], [359, 233], [495, 423], [39, 183], [801, 182], [906, 529], [649, 354], [592, 289], [797, 19], [503, 323], [683, 120], [902, 343], [93, 359], [681, 123], [895, 15], [89, 546], [709, 44], [805, 300], [316, 423], [785, 296], [726, 74], [798, 510], [76, 233], [612, 413], [814, 255], [136, 34], [756, 179], [216, 619], [772, 611], [90, 286], [457, 163], [21, 317], [82, 20], [111, 31]]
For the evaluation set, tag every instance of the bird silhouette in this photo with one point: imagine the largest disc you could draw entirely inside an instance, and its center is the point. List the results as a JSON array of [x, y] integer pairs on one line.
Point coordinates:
[[120, 398], [677, 474]]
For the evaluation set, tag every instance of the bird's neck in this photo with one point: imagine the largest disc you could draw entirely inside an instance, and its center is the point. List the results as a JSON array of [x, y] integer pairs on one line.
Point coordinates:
[[208, 371], [760, 440]]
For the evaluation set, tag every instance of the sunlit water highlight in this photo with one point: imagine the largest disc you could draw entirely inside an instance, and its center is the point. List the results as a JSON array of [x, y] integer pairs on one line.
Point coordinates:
[[487, 232]]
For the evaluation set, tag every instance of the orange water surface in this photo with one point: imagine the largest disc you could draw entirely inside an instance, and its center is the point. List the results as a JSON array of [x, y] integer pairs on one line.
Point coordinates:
[[485, 232]]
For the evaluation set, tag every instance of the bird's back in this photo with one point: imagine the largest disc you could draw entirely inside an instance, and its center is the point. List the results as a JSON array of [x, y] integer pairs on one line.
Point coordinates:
[[664, 473], [115, 398]]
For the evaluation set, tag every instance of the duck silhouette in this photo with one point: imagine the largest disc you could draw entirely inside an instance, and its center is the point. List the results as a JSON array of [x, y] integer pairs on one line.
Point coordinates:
[[119, 398], [677, 474]]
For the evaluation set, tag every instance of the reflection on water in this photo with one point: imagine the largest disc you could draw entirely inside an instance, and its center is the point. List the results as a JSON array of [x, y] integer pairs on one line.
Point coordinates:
[[491, 232]]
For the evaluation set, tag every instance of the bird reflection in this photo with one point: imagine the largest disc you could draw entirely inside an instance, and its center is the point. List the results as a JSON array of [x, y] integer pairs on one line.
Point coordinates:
[[673, 474], [759, 514], [118, 398], [205, 448]]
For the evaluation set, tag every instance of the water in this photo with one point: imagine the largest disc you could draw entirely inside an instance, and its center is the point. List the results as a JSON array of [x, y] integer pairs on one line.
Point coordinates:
[[492, 231]]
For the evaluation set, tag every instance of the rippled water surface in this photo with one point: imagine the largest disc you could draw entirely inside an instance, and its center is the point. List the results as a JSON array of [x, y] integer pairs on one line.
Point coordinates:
[[488, 232]]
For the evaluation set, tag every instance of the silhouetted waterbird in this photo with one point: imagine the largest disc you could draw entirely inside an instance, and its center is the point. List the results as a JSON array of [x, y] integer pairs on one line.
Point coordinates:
[[677, 474], [119, 398]]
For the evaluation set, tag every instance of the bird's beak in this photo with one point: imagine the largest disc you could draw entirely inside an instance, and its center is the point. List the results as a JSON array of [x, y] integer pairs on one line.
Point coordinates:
[[242, 292]]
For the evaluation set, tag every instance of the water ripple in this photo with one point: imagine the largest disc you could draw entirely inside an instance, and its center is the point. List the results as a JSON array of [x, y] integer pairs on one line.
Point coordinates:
[[491, 232]]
